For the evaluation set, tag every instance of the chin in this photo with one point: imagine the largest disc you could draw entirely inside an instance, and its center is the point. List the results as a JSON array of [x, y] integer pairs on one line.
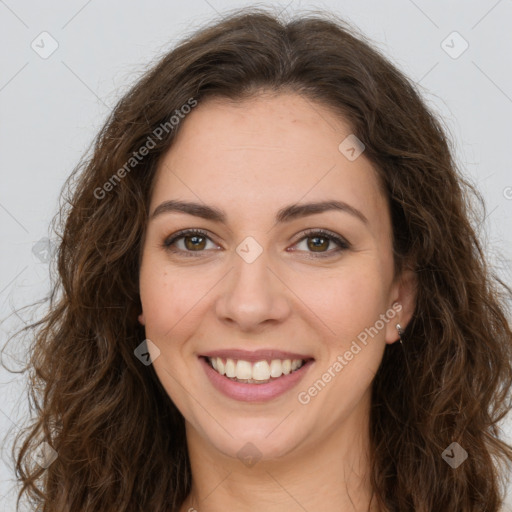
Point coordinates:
[[262, 442]]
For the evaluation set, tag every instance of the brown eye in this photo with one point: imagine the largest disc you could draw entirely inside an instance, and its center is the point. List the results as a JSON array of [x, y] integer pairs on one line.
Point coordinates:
[[194, 241], [318, 243]]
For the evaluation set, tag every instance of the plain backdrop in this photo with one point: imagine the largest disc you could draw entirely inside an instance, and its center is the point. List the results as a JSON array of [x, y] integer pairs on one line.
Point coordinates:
[[65, 64]]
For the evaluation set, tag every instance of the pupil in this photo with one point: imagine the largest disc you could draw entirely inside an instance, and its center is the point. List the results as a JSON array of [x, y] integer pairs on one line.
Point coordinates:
[[315, 245], [194, 239]]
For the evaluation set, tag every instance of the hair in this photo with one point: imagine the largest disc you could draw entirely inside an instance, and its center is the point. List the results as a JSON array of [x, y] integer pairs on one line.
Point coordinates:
[[119, 438]]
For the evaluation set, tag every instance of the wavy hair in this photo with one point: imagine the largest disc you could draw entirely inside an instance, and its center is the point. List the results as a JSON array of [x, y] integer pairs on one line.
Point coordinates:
[[119, 439]]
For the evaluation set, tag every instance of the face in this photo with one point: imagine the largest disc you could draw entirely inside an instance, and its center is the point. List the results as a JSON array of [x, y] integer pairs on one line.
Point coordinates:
[[262, 279]]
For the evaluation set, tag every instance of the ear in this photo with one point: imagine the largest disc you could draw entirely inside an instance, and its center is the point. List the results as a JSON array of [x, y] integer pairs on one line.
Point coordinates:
[[141, 319], [403, 303]]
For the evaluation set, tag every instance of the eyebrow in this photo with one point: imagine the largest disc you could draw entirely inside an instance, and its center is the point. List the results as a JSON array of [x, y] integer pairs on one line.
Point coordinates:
[[286, 214]]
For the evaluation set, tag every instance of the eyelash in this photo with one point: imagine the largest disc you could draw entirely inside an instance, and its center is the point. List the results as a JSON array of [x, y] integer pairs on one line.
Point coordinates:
[[312, 233]]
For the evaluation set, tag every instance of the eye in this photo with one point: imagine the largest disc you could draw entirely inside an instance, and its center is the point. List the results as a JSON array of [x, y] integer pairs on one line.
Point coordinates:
[[195, 241], [320, 239]]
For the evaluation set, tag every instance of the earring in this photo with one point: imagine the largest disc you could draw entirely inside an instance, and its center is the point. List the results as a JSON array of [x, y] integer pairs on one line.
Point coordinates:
[[400, 332]]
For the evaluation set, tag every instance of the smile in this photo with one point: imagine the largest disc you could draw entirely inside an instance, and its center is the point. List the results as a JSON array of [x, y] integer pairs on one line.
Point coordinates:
[[254, 381], [259, 372]]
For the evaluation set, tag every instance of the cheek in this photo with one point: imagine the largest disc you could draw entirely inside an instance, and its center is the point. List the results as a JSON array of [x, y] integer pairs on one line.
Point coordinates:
[[350, 306], [347, 301], [355, 340], [165, 296], [174, 301]]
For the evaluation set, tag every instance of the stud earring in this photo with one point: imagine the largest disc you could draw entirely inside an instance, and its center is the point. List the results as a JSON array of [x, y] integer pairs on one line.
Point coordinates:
[[400, 332]]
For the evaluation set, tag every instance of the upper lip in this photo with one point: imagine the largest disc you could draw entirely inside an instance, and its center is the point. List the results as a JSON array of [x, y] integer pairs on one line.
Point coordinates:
[[256, 355]]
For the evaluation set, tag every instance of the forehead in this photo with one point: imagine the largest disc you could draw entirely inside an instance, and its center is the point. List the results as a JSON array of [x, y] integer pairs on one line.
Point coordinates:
[[254, 156]]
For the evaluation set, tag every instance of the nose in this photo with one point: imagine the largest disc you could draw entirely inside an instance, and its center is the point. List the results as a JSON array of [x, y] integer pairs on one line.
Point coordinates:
[[253, 295]]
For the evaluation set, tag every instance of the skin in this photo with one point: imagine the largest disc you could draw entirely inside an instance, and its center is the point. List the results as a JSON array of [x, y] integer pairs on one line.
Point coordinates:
[[251, 159]]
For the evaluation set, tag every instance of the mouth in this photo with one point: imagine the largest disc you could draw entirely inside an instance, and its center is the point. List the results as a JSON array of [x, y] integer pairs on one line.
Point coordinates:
[[255, 378], [261, 371]]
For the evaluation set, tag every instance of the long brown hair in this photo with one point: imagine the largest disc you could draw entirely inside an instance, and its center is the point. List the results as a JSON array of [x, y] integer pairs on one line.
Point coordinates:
[[119, 439]]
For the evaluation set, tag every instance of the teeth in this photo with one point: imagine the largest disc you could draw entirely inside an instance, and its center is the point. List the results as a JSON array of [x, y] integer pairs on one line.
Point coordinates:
[[276, 368], [230, 368], [243, 370], [259, 371]]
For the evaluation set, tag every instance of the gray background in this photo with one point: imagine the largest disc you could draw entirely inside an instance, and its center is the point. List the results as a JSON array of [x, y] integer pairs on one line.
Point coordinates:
[[51, 106]]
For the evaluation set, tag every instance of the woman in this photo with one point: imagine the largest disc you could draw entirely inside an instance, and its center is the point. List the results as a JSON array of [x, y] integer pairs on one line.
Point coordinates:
[[272, 295]]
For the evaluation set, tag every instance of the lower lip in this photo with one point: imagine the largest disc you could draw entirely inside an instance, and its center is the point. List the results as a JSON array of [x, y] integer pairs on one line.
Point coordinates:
[[254, 392]]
